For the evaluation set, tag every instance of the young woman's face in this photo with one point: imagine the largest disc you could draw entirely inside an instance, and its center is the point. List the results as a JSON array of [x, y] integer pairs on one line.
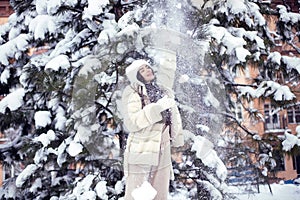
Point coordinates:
[[147, 73]]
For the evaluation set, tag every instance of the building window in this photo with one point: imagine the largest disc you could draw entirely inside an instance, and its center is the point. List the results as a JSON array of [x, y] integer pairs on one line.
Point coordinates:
[[238, 112], [11, 170], [5, 9], [279, 158], [294, 114], [271, 118]]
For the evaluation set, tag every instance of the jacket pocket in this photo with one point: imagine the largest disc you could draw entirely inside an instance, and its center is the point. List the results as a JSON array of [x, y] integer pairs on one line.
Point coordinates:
[[152, 146], [145, 158]]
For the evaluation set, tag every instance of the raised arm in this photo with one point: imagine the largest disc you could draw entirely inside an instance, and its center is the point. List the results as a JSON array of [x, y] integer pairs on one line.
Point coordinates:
[[166, 68]]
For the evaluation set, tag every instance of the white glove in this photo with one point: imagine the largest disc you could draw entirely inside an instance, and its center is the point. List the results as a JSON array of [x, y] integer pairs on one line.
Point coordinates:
[[168, 60], [166, 103]]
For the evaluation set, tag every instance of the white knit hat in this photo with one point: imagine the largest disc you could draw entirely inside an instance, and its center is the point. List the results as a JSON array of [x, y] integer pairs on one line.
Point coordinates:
[[132, 70]]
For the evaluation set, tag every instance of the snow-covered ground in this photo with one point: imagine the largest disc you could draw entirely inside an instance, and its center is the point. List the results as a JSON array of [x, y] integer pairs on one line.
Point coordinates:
[[280, 192]]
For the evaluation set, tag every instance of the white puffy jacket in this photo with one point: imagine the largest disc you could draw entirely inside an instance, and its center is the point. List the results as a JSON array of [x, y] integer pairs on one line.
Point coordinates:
[[144, 124]]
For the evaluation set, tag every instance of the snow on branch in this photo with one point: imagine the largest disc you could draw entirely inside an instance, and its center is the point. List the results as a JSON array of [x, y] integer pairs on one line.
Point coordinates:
[[204, 151], [233, 45], [41, 25], [45, 138], [94, 8], [290, 141], [59, 62], [237, 7], [268, 88], [74, 148], [5, 75], [42, 118], [251, 35], [82, 189], [25, 174], [51, 7], [288, 17], [71, 42], [290, 62], [248, 12], [8, 145], [12, 47], [12, 101], [275, 57], [101, 190], [254, 9]]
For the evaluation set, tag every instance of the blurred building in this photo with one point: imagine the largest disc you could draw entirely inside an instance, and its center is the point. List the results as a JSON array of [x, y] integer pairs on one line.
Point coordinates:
[[5, 11], [292, 5], [277, 122]]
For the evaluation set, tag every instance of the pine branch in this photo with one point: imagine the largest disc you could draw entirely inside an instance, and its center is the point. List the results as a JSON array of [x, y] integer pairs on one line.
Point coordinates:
[[239, 124], [294, 46], [240, 84], [8, 145]]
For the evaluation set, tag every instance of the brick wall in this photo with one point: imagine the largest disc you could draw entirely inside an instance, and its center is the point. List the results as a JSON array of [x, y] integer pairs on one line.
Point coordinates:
[[5, 9], [292, 5]]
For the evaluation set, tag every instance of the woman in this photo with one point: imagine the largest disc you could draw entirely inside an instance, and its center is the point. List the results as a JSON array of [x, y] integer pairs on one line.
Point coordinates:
[[154, 123]]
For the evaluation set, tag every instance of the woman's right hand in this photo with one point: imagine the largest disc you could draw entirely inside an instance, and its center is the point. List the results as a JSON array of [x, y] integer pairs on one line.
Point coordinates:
[[166, 103]]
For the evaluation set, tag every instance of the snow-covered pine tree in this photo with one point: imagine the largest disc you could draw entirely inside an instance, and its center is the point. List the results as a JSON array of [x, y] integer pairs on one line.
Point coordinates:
[[61, 62], [240, 41], [44, 46]]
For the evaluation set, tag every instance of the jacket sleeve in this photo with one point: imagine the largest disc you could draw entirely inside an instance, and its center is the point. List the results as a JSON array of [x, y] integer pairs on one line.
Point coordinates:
[[167, 68], [176, 129], [137, 118]]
